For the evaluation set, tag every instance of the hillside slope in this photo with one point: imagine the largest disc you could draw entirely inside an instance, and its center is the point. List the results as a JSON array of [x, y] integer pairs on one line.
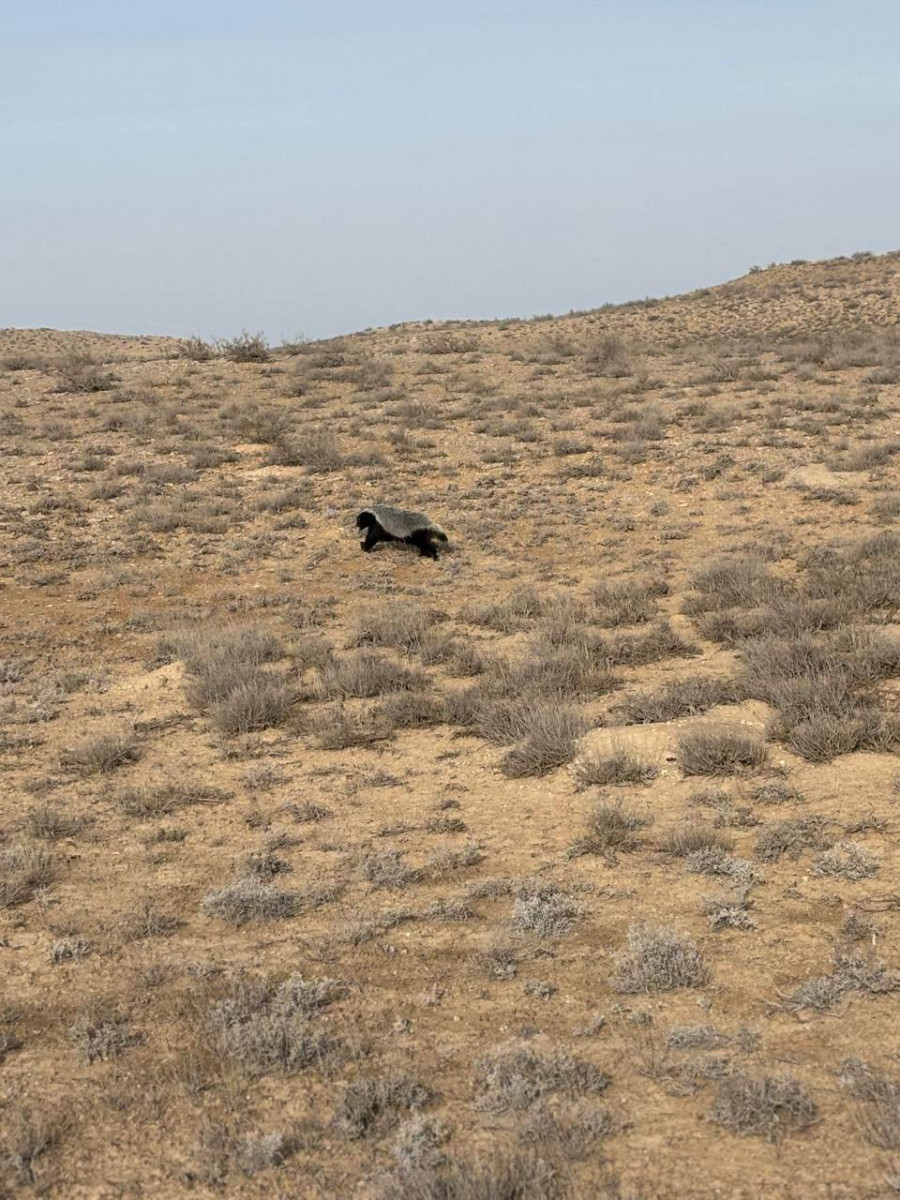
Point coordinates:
[[540, 870]]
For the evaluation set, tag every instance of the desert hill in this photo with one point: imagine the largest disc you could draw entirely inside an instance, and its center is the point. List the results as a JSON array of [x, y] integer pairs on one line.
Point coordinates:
[[566, 865]]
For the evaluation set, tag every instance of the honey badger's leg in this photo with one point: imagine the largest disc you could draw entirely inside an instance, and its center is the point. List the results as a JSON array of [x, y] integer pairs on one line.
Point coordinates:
[[422, 540], [373, 537]]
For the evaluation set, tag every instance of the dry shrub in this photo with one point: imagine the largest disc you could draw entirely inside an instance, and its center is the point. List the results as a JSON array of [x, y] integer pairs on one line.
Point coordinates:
[[339, 728], [639, 650], [626, 602], [552, 735], [160, 801], [659, 960], [594, 769], [195, 349], [499, 1175], [878, 1101], [101, 754], [450, 341], [546, 910], [370, 1104], [52, 824], [824, 736], [402, 627], [566, 672], [572, 1133], [367, 674], [80, 373], [28, 1135], [413, 710], [24, 870], [418, 1144], [386, 868], [101, 1033], [769, 1106], [514, 1077], [245, 348], [267, 1027], [850, 973], [691, 837], [609, 356], [506, 616], [318, 450], [250, 899], [720, 752], [791, 837], [260, 703], [228, 679], [680, 698], [848, 860], [734, 583], [611, 829]]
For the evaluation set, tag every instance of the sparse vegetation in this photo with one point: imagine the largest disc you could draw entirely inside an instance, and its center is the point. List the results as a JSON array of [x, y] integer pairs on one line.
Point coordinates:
[[572, 781]]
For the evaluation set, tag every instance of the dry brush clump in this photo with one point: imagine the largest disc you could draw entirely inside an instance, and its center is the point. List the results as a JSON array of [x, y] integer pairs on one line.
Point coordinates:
[[373, 1103], [29, 1135], [720, 752], [102, 753], [551, 738], [768, 1106], [273, 1027], [516, 1076], [686, 697], [229, 678], [546, 910], [611, 829], [619, 767], [877, 1097], [659, 960], [249, 898]]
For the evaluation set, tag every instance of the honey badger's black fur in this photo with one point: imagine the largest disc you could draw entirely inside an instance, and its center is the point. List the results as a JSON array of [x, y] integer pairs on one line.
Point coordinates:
[[384, 523]]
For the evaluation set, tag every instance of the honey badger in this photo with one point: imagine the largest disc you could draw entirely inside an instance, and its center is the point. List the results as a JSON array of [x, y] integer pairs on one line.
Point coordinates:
[[384, 523]]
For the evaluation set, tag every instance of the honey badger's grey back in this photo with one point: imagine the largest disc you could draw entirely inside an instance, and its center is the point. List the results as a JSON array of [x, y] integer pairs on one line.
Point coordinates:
[[401, 523]]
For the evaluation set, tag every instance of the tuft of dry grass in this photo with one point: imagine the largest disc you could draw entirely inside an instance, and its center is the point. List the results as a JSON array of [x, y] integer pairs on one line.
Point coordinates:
[[878, 1102], [594, 769], [249, 899], [720, 752], [372, 1103], [514, 1077], [768, 1106], [245, 348], [659, 960], [680, 698], [848, 860], [103, 753], [29, 1134], [228, 679], [266, 1027], [791, 837], [545, 910], [551, 737], [367, 674], [102, 1033], [24, 870], [611, 829], [693, 838]]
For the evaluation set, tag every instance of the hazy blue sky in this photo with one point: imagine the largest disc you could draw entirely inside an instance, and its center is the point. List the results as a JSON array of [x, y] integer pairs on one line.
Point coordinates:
[[182, 166]]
